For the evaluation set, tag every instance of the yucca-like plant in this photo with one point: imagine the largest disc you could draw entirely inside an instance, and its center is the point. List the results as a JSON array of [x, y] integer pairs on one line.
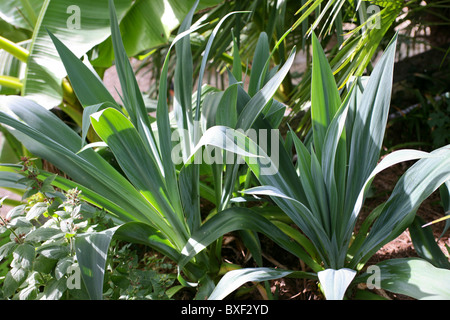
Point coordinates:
[[324, 192], [156, 202], [153, 199]]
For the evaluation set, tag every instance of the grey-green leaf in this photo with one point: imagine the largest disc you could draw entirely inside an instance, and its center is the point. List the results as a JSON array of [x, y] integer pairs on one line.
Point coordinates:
[[234, 279]]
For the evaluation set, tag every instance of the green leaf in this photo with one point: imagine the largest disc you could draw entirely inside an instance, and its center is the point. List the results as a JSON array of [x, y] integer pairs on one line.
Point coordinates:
[[142, 233], [43, 234], [413, 277], [417, 184], [14, 278], [44, 68], [182, 103], [20, 222], [55, 289], [233, 219], [53, 250], [183, 113], [62, 266], [21, 14], [48, 137], [257, 103], [236, 278], [425, 244], [369, 125], [148, 24], [87, 85], [237, 65], [7, 249], [260, 57], [325, 99], [30, 292], [24, 256], [43, 264], [224, 138], [91, 251], [131, 94], [35, 211], [134, 158], [86, 122], [226, 114], [444, 192]]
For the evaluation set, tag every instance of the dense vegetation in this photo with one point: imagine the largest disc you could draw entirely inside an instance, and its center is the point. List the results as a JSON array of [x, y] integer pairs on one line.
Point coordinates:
[[260, 131]]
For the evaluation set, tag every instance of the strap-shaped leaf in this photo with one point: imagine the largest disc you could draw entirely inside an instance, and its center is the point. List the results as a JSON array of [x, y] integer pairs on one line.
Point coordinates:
[[425, 245], [133, 157], [44, 68], [257, 103], [88, 87], [416, 184], [233, 219], [131, 93], [183, 86], [369, 125], [164, 130], [46, 136], [93, 261], [325, 99], [236, 278], [258, 73], [92, 250]]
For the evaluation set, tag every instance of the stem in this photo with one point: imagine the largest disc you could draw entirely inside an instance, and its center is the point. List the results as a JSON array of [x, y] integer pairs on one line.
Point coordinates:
[[71, 107], [42, 278], [30, 12], [68, 92], [14, 49], [13, 232], [11, 82]]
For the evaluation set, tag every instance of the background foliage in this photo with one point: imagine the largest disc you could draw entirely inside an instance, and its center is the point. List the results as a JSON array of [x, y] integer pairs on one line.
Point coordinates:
[[210, 64]]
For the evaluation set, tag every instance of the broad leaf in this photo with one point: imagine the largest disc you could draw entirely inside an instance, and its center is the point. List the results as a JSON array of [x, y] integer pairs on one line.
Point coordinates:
[[412, 277], [91, 251]]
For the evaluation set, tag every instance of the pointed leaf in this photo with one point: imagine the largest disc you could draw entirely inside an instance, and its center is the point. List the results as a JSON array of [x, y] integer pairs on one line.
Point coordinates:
[[257, 103], [417, 184], [369, 125], [325, 99], [258, 74], [425, 244], [87, 85], [44, 68]]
